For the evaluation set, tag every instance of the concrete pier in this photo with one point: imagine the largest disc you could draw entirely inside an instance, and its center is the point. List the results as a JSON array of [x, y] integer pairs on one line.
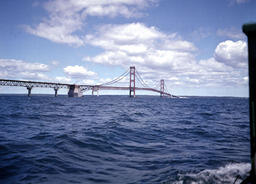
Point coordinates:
[[74, 91], [29, 88], [56, 91], [95, 88]]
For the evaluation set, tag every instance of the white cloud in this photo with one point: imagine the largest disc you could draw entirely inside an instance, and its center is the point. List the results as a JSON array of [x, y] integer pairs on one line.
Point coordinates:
[[232, 53], [201, 33], [63, 79], [67, 17], [78, 72], [58, 30], [231, 33], [138, 44], [34, 76], [211, 65], [242, 1], [134, 32], [111, 10], [19, 65], [192, 80], [104, 80], [88, 82], [158, 55], [232, 2], [12, 68], [55, 63]]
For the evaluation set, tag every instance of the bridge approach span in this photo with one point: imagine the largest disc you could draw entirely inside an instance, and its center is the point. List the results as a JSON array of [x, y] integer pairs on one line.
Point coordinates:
[[77, 90]]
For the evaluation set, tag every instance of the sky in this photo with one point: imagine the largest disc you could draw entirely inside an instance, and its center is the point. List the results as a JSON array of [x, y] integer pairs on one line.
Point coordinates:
[[196, 46]]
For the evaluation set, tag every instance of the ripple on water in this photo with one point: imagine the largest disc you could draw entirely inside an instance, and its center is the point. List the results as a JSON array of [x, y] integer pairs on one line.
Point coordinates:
[[115, 139]]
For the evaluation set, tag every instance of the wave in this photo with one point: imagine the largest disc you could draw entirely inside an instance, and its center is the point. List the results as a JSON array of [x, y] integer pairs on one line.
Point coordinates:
[[228, 174]]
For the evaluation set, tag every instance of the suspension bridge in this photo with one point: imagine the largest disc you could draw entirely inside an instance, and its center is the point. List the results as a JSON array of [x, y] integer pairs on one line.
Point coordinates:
[[77, 90]]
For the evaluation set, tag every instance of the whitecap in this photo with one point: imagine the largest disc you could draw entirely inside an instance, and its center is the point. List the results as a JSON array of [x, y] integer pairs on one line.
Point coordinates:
[[226, 174]]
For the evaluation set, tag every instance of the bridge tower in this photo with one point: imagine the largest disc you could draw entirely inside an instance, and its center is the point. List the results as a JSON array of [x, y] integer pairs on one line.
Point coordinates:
[[162, 87], [132, 81]]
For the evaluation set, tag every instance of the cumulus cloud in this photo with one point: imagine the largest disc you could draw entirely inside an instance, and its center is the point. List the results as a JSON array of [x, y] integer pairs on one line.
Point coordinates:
[[78, 72], [67, 17], [155, 54], [12, 68], [227, 66], [232, 53], [138, 44], [159, 55]]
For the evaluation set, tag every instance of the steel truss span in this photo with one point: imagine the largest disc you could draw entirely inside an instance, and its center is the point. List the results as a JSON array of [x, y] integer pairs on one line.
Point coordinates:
[[77, 90], [22, 83]]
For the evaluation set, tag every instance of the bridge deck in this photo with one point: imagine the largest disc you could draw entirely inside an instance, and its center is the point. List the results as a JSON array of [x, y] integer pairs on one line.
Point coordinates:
[[30, 84], [128, 88]]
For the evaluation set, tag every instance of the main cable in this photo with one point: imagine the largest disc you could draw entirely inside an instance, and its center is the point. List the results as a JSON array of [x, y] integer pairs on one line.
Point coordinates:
[[156, 85], [116, 79], [166, 89], [141, 80], [138, 79]]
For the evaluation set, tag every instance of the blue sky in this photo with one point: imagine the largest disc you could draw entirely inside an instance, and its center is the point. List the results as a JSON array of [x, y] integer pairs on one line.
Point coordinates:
[[197, 46]]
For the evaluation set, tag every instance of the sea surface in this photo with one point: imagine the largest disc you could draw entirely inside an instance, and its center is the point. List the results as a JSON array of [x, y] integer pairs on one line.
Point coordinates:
[[122, 140]]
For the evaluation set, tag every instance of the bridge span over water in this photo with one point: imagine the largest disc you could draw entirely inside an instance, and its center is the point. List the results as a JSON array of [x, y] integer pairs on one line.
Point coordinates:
[[77, 90]]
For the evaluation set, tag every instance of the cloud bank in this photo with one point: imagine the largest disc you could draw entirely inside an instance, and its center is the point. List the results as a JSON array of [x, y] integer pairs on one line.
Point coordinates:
[[67, 17], [159, 55], [79, 72], [156, 54], [18, 69]]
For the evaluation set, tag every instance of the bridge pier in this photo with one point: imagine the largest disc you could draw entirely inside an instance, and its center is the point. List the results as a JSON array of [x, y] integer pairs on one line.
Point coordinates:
[[56, 91], [29, 88], [95, 89], [75, 91]]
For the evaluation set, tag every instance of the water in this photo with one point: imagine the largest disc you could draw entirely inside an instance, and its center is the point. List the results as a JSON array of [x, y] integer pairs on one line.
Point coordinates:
[[117, 139]]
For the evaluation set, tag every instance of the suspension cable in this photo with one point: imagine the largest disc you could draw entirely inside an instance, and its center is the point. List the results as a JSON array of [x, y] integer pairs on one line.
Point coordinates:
[[166, 89], [141, 80], [138, 79], [156, 85], [116, 79]]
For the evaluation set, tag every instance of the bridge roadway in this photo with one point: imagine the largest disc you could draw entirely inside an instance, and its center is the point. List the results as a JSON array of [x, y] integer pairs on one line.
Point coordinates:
[[30, 84], [136, 88]]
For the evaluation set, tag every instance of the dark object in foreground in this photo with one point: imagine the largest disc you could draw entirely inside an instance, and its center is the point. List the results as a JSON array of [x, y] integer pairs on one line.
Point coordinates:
[[250, 31]]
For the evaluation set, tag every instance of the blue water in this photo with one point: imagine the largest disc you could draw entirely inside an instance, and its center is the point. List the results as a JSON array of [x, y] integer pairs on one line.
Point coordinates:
[[117, 139]]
